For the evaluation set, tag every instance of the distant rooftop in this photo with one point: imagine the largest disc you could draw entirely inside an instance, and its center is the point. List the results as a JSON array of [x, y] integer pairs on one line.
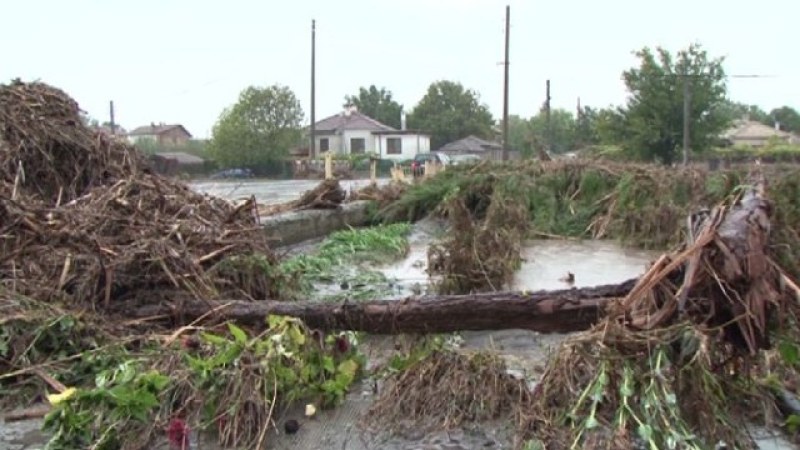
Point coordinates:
[[350, 119], [155, 129], [470, 144]]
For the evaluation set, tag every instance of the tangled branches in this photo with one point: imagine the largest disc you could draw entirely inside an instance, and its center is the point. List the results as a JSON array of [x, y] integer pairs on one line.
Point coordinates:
[[87, 221]]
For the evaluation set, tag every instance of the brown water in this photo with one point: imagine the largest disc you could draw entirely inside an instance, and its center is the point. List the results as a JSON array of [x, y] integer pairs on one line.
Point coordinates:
[[592, 263]]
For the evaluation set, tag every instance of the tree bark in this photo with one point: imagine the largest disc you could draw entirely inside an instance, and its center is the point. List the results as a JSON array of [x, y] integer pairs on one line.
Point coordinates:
[[558, 311]]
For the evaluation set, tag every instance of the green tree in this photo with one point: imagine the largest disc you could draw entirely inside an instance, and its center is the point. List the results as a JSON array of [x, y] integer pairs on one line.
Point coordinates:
[[378, 104], [559, 136], [520, 135], [586, 127], [258, 130], [736, 111], [450, 112], [653, 116], [787, 117]]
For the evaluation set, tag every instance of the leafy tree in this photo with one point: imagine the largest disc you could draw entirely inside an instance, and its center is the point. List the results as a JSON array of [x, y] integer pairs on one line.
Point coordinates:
[[787, 117], [586, 127], [378, 104], [653, 116], [560, 135], [520, 135], [450, 112], [258, 130], [735, 111]]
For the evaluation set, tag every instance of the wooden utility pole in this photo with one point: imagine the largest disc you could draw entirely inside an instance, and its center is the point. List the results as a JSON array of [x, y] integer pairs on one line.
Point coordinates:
[[686, 118], [547, 118], [505, 86], [312, 149], [112, 122]]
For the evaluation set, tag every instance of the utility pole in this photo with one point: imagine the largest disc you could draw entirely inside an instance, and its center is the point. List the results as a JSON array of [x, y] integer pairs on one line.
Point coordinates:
[[312, 150], [547, 118], [505, 86], [686, 118], [112, 122]]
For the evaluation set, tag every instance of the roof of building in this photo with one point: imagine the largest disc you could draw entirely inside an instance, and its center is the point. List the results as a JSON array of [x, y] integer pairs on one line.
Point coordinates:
[[351, 119], [470, 144], [181, 157], [750, 129], [156, 129]]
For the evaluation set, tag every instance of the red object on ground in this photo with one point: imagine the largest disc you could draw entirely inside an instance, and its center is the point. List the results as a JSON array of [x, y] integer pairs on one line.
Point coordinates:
[[178, 434]]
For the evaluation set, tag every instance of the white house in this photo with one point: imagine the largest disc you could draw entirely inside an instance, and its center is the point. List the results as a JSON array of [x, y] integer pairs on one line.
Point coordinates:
[[351, 132]]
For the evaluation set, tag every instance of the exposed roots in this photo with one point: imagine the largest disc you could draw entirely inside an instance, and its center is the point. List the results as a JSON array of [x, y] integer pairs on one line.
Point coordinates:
[[675, 362]]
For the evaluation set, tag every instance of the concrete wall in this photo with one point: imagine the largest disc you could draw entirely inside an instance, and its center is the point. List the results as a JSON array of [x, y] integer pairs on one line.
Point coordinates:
[[412, 144], [369, 141], [297, 226]]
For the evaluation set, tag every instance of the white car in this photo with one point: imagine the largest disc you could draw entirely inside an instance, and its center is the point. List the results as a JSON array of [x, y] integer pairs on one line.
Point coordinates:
[[458, 160]]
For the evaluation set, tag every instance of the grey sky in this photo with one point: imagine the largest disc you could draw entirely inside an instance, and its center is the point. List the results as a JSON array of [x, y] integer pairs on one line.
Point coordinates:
[[181, 61]]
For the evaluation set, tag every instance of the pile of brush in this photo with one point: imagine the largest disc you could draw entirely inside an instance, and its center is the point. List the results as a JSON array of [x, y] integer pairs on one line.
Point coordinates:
[[88, 222]]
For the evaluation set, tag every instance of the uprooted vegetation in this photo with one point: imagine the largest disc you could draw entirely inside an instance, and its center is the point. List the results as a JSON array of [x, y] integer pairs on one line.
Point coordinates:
[[442, 387], [87, 221], [91, 232], [344, 263], [689, 357], [639, 205]]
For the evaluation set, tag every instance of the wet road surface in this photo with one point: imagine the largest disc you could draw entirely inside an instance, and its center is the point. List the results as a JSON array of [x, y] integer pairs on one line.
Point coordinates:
[[270, 192]]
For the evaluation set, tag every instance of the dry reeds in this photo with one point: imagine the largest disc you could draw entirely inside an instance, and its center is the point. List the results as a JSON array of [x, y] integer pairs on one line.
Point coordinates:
[[447, 390]]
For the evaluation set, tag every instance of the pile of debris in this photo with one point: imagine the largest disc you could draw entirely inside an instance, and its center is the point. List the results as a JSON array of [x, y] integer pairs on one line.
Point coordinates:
[[88, 222]]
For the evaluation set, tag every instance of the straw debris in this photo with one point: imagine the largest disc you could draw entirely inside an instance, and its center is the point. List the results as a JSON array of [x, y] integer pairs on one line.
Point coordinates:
[[87, 221], [446, 390]]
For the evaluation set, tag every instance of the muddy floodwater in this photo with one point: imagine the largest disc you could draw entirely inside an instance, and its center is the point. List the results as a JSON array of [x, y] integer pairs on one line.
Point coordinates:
[[547, 261]]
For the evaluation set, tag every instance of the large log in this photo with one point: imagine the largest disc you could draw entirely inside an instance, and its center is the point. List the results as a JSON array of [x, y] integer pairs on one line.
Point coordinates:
[[558, 311]]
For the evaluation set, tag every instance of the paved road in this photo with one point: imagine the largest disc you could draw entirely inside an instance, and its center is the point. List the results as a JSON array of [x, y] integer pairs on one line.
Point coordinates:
[[269, 192]]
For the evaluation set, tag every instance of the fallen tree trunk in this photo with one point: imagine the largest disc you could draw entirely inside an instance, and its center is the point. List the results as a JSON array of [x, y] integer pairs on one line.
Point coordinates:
[[558, 311]]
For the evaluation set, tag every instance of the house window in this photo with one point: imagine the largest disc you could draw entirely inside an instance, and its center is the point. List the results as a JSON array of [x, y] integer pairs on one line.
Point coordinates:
[[394, 146], [358, 145], [324, 145]]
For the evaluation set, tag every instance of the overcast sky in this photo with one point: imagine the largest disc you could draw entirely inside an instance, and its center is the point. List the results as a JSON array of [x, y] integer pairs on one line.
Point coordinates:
[[181, 61]]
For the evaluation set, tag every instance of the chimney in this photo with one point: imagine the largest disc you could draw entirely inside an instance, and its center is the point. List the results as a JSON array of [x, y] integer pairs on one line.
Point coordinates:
[[403, 120], [350, 110]]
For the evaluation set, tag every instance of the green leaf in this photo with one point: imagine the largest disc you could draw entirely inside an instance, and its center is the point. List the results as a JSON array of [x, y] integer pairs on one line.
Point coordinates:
[[296, 335], [645, 432], [793, 423], [238, 334], [328, 364], [349, 368], [213, 338], [789, 352], [275, 321]]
